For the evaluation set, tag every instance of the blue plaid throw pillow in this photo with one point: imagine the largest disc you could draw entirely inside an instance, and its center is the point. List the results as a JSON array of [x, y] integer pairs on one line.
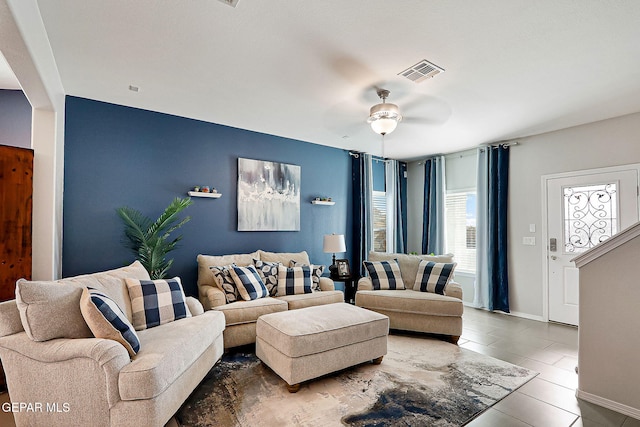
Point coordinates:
[[106, 320], [156, 302], [433, 276], [316, 273], [250, 285], [294, 280], [384, 274]]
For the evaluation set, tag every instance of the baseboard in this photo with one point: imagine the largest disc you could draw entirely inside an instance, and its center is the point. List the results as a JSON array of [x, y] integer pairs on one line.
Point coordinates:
[[513, 313], [609, 404]]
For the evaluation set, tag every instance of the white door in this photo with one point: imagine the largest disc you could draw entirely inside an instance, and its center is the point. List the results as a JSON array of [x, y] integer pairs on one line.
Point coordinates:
[[583, 210]]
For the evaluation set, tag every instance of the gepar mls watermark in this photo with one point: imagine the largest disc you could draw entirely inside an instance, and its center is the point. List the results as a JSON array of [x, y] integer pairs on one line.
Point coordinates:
[[51, 407]]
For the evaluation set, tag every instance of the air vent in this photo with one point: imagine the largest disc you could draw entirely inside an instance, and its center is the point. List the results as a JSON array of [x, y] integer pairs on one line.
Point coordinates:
[[421, 71], [231, 3]]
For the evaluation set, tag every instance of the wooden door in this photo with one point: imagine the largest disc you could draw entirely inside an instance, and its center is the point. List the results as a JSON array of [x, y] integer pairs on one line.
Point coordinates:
[[16, 195]]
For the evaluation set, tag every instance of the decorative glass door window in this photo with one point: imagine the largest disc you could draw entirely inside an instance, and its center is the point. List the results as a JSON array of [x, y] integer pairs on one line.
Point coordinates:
[[590, 215]]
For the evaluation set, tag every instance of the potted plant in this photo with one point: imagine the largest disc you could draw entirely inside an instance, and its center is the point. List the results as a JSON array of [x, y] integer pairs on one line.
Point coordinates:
[[149, 240]]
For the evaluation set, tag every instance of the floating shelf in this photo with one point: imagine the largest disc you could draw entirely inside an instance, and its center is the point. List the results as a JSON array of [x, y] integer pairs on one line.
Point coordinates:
[[322, 202], [201, 194]]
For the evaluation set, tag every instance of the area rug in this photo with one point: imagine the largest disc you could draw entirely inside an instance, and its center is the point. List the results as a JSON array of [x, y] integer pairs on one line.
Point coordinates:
[[422, 381]]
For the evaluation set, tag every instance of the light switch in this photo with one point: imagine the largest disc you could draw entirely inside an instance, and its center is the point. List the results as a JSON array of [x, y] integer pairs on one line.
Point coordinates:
[[529, 241], [532, 228]]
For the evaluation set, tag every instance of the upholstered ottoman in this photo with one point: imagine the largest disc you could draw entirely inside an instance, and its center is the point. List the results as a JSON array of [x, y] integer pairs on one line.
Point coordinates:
[[303, 344]]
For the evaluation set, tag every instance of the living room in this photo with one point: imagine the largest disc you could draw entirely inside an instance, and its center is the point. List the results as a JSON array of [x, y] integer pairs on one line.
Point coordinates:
[[106, 135]]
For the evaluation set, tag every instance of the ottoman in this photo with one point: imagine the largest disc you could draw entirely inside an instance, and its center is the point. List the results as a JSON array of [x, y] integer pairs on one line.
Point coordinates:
[[308, 343]]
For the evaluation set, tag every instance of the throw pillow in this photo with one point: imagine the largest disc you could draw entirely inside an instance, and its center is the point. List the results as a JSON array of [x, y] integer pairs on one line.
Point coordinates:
[[384, 274], [155, 302], [268, 272], [222, 275], [50, 310], [106, 320], [433, 276], [294, 280], [316, 273], [250, 285]]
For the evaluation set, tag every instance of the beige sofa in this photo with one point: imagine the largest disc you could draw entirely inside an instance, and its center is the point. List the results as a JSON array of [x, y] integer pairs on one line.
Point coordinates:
[[241, 316], [411, 310], [93, 381]]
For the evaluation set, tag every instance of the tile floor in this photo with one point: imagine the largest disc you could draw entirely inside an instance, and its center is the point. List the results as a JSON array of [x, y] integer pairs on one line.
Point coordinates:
[[546, 401], [550, 349]]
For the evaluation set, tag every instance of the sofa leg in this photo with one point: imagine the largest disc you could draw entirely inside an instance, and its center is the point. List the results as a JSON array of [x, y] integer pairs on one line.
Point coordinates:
[[454, 339], [377, 360], [293, 388]]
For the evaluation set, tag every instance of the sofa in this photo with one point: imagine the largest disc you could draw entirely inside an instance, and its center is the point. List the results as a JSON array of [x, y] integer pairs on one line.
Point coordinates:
[[412, 310], [241, 316], [84, 380]]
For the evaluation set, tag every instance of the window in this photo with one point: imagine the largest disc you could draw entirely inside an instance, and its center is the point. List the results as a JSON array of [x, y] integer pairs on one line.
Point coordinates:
[[460, 216], [383, 206]]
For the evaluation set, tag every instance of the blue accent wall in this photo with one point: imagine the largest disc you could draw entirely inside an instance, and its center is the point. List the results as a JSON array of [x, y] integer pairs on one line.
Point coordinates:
[[121, 156], [15, 119]]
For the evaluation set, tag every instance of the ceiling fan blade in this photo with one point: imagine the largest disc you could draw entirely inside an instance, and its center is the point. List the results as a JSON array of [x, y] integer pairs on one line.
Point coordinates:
[[425, 109], [346, 118]]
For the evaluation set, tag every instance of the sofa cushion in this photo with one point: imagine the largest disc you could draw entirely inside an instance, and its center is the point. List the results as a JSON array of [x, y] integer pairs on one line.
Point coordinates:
[[294, 280], [268, 272], [225, 282], [156, 302], [50, 310], [385, 274], [410, 301], [112, 283], [315, 298], [433, 276], [205, 261], [242, 312], [166, 353], [106, 320], [284, 257], [409, 263], [248, 281], [316, 273]]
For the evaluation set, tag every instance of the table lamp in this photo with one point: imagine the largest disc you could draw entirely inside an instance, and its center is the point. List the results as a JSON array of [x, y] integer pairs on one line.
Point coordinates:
[[334, 243]]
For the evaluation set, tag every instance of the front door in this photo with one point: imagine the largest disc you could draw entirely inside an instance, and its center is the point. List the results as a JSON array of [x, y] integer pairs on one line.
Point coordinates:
[[583, 210]]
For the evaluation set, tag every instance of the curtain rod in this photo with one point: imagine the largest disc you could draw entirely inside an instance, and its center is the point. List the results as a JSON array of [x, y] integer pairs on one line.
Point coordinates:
[[493, 145]]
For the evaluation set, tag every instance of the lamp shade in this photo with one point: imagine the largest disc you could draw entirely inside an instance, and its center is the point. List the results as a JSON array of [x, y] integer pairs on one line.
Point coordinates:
[[334, 243]]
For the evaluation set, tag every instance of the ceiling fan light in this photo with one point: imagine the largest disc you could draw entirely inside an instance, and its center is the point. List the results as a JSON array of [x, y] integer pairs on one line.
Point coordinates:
[[384, 118], [384, 125]]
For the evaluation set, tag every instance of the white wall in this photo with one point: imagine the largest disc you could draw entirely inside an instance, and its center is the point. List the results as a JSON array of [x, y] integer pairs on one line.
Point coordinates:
[[610, 142]]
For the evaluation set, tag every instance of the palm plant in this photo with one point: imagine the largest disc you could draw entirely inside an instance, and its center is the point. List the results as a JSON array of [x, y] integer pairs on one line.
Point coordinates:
[[149, 240]]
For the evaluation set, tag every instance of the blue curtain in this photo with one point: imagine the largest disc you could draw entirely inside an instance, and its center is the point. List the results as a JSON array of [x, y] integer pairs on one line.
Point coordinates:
[[433, 209], [400, 180], [362, 182], [492, 278]]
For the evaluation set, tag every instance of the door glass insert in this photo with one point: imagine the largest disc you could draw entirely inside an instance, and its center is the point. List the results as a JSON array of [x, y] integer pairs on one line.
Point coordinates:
[[590, 215]]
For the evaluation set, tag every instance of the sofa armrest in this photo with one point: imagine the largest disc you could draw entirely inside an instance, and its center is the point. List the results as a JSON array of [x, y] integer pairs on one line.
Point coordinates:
[[211, 297], [78, 362], [195, 307], [365, 284], [453, 289], [326, 284]]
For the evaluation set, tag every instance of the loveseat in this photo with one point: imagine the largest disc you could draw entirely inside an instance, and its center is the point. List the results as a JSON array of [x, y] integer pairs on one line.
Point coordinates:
[[241, 316], [413, 310], [88, 381]]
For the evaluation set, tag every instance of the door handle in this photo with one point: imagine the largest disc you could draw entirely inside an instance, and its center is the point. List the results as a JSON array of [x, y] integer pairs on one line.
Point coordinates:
[[553, 257]]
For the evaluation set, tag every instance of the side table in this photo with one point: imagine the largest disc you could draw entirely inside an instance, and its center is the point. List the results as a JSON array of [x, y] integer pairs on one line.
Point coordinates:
[[349, 287]]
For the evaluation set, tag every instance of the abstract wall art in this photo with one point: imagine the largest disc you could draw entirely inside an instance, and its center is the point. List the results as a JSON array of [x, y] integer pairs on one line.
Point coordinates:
[[268, 196]]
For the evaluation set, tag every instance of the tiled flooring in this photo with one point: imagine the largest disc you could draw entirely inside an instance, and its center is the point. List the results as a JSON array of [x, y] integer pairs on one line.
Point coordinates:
[[546, 401], [550, 349]]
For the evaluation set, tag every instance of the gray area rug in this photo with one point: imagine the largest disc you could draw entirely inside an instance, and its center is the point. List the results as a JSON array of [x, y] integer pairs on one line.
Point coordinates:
[[422, 381]]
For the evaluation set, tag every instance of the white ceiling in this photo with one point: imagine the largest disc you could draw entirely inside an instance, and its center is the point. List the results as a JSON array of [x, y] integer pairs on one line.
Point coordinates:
[[307, 70], [8, 80]]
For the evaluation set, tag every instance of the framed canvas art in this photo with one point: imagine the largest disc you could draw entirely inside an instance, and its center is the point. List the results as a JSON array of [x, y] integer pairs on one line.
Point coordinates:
[[268, 196]]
